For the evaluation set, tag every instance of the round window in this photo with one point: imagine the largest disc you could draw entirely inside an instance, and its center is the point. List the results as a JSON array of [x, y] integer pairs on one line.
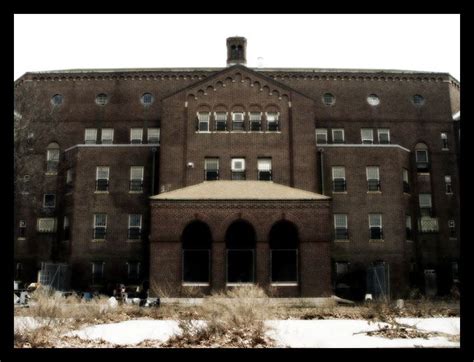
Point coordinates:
[[147, 99], [101, 99], [57, 100], [329, 99], [418, 100], [373, 100]]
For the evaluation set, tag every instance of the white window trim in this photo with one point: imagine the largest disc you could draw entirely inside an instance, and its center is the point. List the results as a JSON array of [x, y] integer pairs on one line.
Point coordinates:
[[376, 226], [371, 139], [372, 167], [111, 139], [38, 222], [95, 219], [155, 130], [234, 161], [335, 225], [91, 139], [334, 169], [383, 130], [335, 130], [198, 115], [130, 218], [97, 172], [255, 113], [322, 131], [136, 138]]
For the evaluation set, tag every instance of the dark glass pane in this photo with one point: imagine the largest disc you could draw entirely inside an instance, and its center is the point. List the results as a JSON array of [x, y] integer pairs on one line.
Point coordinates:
[[406, 187], [284, 266], [273, 126], [238, 175], [240, 266], [255, 126], [376, 233], [99, 232], [221, 125], [238, 126], [373, 185], [341, 234], [136, 185], [134, 233], [265, 175], [212, 175], [196, 266], [102, 185], [339, 185]]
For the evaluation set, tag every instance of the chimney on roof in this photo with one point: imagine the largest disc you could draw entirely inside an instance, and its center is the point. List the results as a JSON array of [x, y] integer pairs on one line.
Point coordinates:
[[236, 50]]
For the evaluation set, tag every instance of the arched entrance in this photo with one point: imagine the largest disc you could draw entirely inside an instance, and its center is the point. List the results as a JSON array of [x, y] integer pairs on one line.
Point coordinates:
[[196, 255], [240, 248], [283, 241]]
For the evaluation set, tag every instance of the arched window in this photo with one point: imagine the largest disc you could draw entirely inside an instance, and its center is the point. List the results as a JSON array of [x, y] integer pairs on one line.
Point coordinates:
[[234, 52], [240, 52], [52, 157], [240, 245], [283, 240], [422, 157], [196, 242]]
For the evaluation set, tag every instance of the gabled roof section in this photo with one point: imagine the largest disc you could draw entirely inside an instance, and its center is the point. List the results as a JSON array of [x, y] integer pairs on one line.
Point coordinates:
[[245, 73], [240, 190]]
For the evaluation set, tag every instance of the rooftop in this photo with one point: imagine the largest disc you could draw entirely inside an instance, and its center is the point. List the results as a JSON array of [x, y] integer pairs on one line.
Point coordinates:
[[239, 190]]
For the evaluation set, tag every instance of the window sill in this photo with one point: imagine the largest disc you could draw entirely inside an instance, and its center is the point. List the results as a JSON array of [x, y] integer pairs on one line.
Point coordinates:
[[289, 284], [450, 194], [406, 193], [374, 192], [376, 240], [135, 192], [340, 192], [409, 241], [133, 241], [238, 284], [445, 149], [451, 238], [341, 240], [184, 284], [51, 173], [202, 132], [21, 239], [101, 192], [98, 240]]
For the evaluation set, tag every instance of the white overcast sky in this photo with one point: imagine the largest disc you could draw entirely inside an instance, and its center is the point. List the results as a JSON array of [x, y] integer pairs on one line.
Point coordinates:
[[410, 42]]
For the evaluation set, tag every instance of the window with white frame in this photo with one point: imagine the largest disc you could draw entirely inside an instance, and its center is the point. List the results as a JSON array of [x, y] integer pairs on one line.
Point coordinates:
[[66, 228], [406, 184], [211, 169], [367, 135], [238, 121], [408, 231], [49, 201], [90, 136], [136, 135], [153, 135], [255, 121], [147, 99], [421, 157], [100, 226], [97, 272], [425, 204], [373, 178], [221, 121], [52, 158], [134, 226], [69, 177], [337, 135], [46, 225], [273, 122], [444, 140], [321, 136], [340, 227], [449, 186], [375, 226], [339, 179], [383, 135], [329, 99], [238, 168], [136, 178], [264, 168], [102, 178], [107, 136], [203, 121]]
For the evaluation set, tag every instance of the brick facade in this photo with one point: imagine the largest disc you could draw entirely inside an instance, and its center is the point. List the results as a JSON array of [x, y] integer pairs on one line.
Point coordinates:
[[297, 95]]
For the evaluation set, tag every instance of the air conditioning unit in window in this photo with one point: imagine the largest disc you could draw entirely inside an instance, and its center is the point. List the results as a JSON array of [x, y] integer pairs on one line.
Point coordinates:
[[451, 223], [22, 223], [238, 165]]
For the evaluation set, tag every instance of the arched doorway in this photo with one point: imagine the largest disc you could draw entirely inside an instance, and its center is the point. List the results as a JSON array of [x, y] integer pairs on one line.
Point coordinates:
[[283, 241], [240, 247], [196, 255]]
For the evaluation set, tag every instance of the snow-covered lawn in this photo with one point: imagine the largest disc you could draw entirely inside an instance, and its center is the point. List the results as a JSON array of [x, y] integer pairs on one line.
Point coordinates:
[[335, 333]]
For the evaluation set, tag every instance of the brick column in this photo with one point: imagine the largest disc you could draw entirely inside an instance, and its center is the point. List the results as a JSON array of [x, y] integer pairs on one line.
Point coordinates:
[[218, 266]]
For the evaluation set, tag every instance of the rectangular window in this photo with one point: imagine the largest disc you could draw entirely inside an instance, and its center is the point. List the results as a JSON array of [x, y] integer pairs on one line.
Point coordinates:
[[444, 140], [375, 226], [52, 160], [136, 135], [240, 265], [196, 266], [284, 264], [90, 136], [406, 184], [211, 169], [107, 135], [373, 178], [449, 186], [342, 268], [255, 121], [203, 121], [49, 201], [339, 179], [22, 229], [154, 135], [425, 204], [452, 228], [422, 162], [408, 227], [133, 270], [338, 135], [134, 226], [238, 121], [136, 178], [102, 178], [321, 136], [264, 167], [384, 135], [221, 121], [340, 227], [47, 225], [238, 168], [367, 135], [97, 272], [100, 226], [273, 123], [66, 228]]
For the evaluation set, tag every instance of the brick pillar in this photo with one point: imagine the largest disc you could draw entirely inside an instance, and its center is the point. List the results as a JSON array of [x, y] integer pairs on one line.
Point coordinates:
[[262, 267], [218, 265], [165, 268], [315, 269]]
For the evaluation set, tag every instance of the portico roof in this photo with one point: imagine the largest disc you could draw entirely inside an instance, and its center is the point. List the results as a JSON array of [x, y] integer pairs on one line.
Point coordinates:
[[239, 190]]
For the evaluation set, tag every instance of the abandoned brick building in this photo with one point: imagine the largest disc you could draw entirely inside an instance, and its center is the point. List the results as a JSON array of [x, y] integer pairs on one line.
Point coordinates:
[[308, 182]]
